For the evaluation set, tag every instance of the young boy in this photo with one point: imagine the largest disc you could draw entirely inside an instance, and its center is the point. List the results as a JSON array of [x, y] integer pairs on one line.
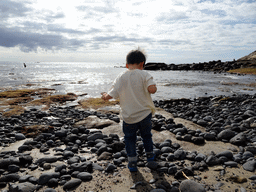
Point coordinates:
[[134, 88]]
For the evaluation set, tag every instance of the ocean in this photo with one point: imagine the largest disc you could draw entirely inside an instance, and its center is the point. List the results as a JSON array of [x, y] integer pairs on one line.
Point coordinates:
[[93, 78]]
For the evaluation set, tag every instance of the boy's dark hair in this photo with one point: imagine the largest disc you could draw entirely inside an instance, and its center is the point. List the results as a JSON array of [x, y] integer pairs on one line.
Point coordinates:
[[135, 57]]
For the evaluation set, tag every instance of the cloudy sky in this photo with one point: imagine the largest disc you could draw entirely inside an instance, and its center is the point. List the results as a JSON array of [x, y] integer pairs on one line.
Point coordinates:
[[170, 31]]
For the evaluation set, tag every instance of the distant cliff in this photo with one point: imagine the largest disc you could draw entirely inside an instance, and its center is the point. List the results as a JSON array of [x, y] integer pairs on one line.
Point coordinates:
[[250, 57], [216, 66]]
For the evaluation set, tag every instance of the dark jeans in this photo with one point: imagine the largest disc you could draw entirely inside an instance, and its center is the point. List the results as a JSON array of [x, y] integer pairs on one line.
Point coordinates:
[[130, 136]]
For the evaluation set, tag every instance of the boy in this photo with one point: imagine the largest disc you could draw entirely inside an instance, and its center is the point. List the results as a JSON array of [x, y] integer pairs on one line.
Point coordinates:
[[134, 88]]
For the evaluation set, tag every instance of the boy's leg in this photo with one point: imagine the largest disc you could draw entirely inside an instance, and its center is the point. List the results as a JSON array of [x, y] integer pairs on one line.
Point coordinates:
[[130, 137], [145, 130]]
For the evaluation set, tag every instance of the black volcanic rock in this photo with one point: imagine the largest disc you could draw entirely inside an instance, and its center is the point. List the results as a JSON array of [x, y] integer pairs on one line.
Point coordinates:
[[155, 66]]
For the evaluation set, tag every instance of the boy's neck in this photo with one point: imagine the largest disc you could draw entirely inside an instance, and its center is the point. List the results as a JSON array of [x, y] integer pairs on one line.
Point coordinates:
[[135, 66]]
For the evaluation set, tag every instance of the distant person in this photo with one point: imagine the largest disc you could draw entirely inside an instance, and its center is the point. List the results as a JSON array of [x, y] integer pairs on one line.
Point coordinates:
[[24, 64], [134, 88]]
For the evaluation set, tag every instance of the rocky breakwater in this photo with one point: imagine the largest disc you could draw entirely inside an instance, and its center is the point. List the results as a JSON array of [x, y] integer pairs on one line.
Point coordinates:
[[215, 66], [66, 149]]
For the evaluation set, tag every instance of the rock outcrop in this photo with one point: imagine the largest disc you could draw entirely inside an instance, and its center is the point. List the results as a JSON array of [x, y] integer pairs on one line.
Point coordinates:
[[215, 66]]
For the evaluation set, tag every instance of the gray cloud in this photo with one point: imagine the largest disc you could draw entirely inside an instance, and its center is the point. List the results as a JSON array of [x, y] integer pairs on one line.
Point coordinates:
[[57, 28], [104, 41], [50, 16], [29, 41], [60, 29], [29, 36], [216, 12], [174, 42], [121, 39], [96, 9], [13, 9], [171, 16]]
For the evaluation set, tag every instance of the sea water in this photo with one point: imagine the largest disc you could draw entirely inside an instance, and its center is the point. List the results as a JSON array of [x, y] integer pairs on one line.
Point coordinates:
[[93, 78]]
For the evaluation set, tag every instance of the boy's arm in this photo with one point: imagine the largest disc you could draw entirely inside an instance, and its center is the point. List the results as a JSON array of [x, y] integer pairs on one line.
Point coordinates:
[[152, 89], [106, 96]]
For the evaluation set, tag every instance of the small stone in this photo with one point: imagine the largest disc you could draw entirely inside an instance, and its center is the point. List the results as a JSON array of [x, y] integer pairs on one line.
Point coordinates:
[[226, 134], [239, 139], [157, 190], [172, 170], [13, 168], [231, 164], [200, 157], [212, 160], [84, 176], [152, 181], [238, 179], [137, 184], [167, 150], [191, 186], [227, 154], [219, 168], [249, 166], [10, 177], [53, 182], [49, 190], [198, 140], [20, 136], [22, 187], [253, 177], [180, 154], [47, 166], [105, 156], [45, 177], [152, 165], [72, 183], [110, 168]]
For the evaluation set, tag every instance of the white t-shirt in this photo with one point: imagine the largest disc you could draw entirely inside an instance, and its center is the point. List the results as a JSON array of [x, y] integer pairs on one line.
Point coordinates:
[[131, 87]]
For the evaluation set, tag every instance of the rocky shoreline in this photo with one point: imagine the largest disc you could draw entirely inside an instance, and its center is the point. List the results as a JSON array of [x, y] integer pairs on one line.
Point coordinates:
[[73, 149], [214, 66]]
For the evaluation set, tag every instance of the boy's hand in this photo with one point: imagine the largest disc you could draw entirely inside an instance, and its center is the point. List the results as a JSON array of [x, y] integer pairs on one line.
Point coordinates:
[[105, 96], [152, 89]]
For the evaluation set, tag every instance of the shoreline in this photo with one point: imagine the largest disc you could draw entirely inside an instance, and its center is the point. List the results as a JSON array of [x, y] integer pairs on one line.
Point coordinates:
[[226, 85]]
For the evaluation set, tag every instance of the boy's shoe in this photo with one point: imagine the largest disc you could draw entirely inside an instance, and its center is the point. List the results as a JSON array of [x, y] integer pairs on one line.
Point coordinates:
[[132, 166], [151, 157]]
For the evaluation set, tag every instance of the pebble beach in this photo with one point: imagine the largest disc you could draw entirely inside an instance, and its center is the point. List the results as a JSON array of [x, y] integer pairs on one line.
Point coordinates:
[[204, 144]]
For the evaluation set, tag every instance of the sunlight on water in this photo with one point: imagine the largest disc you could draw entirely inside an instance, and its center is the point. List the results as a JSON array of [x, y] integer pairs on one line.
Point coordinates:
[[94, 78]]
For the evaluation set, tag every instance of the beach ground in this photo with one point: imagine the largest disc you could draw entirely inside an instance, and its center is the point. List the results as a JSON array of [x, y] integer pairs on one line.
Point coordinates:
[[123, 180]]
